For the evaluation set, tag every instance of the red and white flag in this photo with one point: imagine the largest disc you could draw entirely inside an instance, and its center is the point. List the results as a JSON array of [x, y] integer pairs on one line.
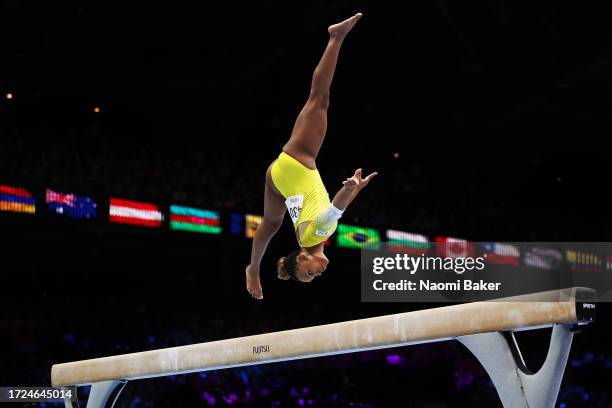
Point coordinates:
[[453, 247], [135, 213], [501, 254]]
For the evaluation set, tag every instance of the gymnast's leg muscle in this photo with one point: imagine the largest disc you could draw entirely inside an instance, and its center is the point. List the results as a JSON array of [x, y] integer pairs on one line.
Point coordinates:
[[311, 124]]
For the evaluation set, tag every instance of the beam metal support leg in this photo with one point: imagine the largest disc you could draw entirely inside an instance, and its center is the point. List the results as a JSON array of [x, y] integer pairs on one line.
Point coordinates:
[[516, 385], [68, 403], [103, 394]]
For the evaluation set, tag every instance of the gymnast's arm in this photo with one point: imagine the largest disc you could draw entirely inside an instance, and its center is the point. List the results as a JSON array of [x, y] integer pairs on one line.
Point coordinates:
[[265, 232], [351, 188], [274, 212]]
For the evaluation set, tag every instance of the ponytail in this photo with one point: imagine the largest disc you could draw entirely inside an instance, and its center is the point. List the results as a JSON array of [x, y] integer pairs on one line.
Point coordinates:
[[287, 266], [282, 269]]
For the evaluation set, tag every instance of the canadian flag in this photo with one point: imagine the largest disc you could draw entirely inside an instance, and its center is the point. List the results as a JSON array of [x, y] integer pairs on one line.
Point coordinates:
[[453, 247]]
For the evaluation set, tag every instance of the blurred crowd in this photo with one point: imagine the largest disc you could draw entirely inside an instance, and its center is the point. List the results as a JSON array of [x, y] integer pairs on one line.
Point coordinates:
[[92, 161], [89, 161]]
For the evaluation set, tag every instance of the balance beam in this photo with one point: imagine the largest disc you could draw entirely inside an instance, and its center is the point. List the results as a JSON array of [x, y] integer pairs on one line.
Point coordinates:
[[479, 326]]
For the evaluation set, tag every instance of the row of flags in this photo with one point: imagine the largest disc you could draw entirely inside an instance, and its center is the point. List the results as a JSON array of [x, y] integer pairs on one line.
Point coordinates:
[[182, 218], [120, 211], [416, 244], [493, 252]]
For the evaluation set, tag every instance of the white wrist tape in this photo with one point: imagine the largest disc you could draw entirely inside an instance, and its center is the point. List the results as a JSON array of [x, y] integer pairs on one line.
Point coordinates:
[[336, 212], [329, 216]]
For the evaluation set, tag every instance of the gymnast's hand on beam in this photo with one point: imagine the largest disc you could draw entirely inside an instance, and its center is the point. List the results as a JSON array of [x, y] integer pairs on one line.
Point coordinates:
[[253, 283], [356, 183]]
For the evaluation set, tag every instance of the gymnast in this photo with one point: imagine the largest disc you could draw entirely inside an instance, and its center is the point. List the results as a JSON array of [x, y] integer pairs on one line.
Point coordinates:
[[294, 184]]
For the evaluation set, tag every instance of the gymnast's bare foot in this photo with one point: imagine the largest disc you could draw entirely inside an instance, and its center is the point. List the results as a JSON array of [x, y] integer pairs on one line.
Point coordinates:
[[340, 30], [253, 283]]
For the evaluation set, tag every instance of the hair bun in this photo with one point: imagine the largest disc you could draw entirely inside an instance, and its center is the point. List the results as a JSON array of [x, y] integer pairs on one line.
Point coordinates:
[[281, 269]]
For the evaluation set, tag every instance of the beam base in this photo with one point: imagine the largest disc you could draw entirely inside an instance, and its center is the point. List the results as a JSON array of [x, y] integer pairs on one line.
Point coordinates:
[[516, 385]]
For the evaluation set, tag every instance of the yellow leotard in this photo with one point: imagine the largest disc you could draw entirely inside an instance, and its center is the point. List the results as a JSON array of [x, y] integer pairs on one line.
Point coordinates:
[[305, 197]]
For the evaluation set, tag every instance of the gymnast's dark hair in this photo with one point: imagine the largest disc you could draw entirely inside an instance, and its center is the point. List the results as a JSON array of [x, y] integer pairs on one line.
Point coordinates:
[[287, 265]]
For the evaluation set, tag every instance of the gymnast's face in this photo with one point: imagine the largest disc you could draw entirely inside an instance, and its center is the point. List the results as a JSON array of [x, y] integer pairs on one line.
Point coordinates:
[[310, 266]]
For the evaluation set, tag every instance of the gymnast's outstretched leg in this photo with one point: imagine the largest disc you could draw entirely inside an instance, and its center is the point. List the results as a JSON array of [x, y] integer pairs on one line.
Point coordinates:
[[303, 145], [311, 125]]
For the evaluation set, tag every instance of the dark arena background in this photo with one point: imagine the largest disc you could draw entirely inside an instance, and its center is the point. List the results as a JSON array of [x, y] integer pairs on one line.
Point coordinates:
[[487, 121]]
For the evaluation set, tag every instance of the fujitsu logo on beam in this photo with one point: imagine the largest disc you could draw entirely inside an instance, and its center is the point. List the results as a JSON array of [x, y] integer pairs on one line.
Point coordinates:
[[261, 349]]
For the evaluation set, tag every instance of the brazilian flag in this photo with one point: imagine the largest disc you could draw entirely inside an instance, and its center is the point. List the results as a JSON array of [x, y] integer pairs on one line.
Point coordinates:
[[351, 236]]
